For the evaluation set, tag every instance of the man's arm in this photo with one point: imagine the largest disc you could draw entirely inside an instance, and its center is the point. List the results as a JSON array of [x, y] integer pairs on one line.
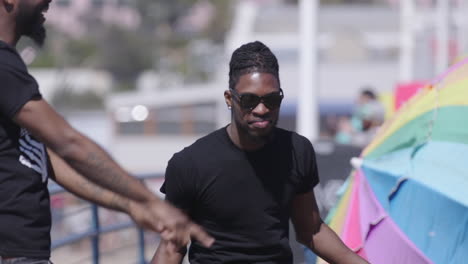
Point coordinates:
[[91, 161], [181, 191], [316, 235], [167, 254], [75, 183], [78, 151], [85, 189]]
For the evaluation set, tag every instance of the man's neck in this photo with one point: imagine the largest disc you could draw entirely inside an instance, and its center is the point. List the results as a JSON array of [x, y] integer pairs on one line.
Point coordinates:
[[9, 41], [8, 32]]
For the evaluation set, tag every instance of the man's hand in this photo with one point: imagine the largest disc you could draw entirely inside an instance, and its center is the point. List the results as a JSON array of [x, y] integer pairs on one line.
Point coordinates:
[[167, 253], [170, 222]]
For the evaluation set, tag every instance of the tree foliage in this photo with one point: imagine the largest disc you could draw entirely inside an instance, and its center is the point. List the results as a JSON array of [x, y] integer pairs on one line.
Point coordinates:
[[125, 53]]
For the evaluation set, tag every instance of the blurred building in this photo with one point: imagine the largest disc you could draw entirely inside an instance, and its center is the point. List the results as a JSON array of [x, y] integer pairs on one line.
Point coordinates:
[[69, 16], [72, 80], [358, 46]]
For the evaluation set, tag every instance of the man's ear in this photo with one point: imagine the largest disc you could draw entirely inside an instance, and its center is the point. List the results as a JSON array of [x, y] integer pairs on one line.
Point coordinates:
[[9, 5], [228, 98]]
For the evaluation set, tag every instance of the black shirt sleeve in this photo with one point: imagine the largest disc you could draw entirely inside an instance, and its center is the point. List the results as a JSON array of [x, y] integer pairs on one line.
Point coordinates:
[[309, 174], [17, 86], [179, 184]]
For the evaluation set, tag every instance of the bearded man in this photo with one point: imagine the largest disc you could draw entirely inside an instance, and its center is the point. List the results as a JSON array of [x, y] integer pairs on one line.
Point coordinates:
[[37, 143]]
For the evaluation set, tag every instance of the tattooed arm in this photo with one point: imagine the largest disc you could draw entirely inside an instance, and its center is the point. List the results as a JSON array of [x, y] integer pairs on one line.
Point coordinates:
[[75, 183], [81, 153], [83, 188], [91, 161]]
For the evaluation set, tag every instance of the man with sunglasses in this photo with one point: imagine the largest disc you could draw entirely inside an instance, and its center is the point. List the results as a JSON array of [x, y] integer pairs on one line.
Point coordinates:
[[244, 182]]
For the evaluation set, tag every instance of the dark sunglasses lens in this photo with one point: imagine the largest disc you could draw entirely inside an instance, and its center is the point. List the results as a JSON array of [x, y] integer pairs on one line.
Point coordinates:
[[249, 101], [272, 101]]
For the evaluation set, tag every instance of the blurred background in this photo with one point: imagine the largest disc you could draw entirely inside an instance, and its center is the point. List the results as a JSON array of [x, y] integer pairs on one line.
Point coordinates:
[[145, 78]]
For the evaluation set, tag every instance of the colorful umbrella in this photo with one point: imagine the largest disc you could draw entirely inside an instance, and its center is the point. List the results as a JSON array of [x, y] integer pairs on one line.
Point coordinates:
[[407, 202]]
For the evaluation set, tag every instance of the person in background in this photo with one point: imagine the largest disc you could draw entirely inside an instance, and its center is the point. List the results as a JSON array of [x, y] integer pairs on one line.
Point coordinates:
[[244, 182], [28, 126], [368, 116]]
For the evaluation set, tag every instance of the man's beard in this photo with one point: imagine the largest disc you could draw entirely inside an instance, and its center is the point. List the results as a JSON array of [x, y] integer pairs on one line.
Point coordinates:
[[38, 35], [255, 137], [30, 23]]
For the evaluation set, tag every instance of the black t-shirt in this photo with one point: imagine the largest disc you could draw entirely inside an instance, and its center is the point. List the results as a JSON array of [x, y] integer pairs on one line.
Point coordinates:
[[243, 199], [24, 199]]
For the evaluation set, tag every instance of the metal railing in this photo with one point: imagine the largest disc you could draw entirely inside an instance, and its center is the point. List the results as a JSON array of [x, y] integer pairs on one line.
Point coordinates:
[[96, 230]]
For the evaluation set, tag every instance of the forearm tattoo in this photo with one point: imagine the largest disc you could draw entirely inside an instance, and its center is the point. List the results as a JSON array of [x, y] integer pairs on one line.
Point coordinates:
[[97, 194], [105, 172]]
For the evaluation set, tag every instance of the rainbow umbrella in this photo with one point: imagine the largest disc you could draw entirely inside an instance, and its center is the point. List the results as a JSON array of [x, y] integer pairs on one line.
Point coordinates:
[[407, 201]]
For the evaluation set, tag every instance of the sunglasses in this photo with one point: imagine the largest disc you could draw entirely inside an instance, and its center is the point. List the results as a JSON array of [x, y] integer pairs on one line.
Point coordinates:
[[249, 100]]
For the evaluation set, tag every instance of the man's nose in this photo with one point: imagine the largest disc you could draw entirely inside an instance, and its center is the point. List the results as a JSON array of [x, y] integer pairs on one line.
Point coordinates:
[[260, 109]]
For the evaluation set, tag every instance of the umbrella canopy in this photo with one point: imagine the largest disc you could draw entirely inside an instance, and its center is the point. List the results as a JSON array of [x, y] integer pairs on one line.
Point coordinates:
[[408, 200]]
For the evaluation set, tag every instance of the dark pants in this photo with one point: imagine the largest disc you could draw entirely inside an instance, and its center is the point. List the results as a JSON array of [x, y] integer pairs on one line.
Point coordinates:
[[24, 261]]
